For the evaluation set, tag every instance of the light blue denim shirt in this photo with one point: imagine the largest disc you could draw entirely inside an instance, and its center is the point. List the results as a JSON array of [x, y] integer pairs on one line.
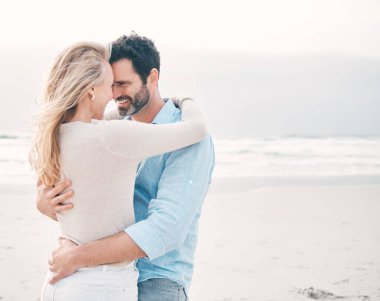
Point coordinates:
[[169, 193]]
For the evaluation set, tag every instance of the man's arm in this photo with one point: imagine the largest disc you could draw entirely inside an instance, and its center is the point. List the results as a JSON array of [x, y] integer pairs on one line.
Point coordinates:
[[69, 257], [181, 192]]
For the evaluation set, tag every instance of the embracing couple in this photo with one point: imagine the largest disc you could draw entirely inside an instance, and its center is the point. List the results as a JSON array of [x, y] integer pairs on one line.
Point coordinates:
[[126, 193]]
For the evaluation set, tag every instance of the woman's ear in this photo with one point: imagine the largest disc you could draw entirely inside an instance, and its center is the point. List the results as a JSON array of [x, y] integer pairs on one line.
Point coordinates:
[[92, 93]]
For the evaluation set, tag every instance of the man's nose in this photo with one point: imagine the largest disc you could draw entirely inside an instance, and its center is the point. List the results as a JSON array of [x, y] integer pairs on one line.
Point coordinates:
[[115, 93]]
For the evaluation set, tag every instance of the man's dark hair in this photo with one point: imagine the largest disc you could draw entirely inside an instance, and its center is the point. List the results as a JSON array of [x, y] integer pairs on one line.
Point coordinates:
[[139, 50]]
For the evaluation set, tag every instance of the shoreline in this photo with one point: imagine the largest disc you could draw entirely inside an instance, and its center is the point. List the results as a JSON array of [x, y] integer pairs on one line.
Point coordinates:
[[231, 184], [240, 184]]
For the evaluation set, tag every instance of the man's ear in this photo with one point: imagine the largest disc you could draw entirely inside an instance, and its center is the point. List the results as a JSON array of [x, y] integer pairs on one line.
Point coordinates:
[[154, 77]]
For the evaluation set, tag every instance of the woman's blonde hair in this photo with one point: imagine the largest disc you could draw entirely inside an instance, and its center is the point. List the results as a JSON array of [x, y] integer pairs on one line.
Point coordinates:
[[74, 72]]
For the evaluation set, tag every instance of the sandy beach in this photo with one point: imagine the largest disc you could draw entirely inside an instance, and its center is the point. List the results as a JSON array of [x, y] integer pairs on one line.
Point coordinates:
[[281, 242]]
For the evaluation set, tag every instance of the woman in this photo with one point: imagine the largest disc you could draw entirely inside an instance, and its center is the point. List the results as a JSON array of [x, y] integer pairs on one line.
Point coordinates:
[[101, 158]]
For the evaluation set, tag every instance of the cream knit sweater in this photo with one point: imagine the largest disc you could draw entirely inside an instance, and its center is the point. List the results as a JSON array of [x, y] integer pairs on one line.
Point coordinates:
[[101, 159]]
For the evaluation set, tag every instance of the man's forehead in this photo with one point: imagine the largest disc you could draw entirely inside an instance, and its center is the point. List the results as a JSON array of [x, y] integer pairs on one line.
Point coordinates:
[[122, 65], [123, 68]]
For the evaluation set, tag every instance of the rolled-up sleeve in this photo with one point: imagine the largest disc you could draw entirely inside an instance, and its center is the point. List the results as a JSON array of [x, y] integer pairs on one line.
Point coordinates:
[[181, 192]]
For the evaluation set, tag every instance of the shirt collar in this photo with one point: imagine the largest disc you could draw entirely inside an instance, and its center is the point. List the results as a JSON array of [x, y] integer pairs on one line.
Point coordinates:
[[168, 113]]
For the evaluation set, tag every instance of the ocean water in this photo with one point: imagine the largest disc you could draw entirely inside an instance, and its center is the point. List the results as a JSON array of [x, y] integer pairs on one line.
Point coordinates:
[[298, 156], [246, 157]]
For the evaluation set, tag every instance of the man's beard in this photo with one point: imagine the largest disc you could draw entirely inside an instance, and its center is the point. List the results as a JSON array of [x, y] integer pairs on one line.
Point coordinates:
[[136, 103]]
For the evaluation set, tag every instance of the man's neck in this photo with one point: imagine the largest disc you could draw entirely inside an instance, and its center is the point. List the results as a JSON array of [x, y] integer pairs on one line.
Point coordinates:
[[150, 110]]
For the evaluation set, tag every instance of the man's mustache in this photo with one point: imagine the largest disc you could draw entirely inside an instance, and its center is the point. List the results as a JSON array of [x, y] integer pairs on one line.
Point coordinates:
[[124, 97]]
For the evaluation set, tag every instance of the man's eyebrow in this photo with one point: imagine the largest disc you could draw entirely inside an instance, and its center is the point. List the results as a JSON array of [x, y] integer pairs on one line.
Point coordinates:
[[122, 82]]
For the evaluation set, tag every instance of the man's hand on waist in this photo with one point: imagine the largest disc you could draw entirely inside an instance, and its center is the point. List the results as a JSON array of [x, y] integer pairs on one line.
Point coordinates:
[[64, 260]]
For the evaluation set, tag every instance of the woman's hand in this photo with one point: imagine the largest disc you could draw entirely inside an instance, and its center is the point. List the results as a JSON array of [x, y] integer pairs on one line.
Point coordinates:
[[178, 100]]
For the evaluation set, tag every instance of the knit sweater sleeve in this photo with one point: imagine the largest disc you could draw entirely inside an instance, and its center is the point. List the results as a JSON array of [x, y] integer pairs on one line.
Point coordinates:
[[139, 140]]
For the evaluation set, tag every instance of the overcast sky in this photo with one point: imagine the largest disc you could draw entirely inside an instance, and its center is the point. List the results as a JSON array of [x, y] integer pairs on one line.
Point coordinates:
[[270, 26], [256, 55]]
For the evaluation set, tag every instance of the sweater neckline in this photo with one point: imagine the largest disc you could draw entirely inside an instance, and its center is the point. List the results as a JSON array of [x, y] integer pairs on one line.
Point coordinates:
[[65, 127]]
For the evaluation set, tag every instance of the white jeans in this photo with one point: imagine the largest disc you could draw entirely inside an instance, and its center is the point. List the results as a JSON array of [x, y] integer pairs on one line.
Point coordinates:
[[101, 283]]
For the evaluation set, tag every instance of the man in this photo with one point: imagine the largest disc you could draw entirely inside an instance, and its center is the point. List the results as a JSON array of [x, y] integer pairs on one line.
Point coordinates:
[[169, 191]]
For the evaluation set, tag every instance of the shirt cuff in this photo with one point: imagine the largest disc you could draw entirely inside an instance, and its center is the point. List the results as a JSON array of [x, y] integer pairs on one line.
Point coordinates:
[[147, 239]]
